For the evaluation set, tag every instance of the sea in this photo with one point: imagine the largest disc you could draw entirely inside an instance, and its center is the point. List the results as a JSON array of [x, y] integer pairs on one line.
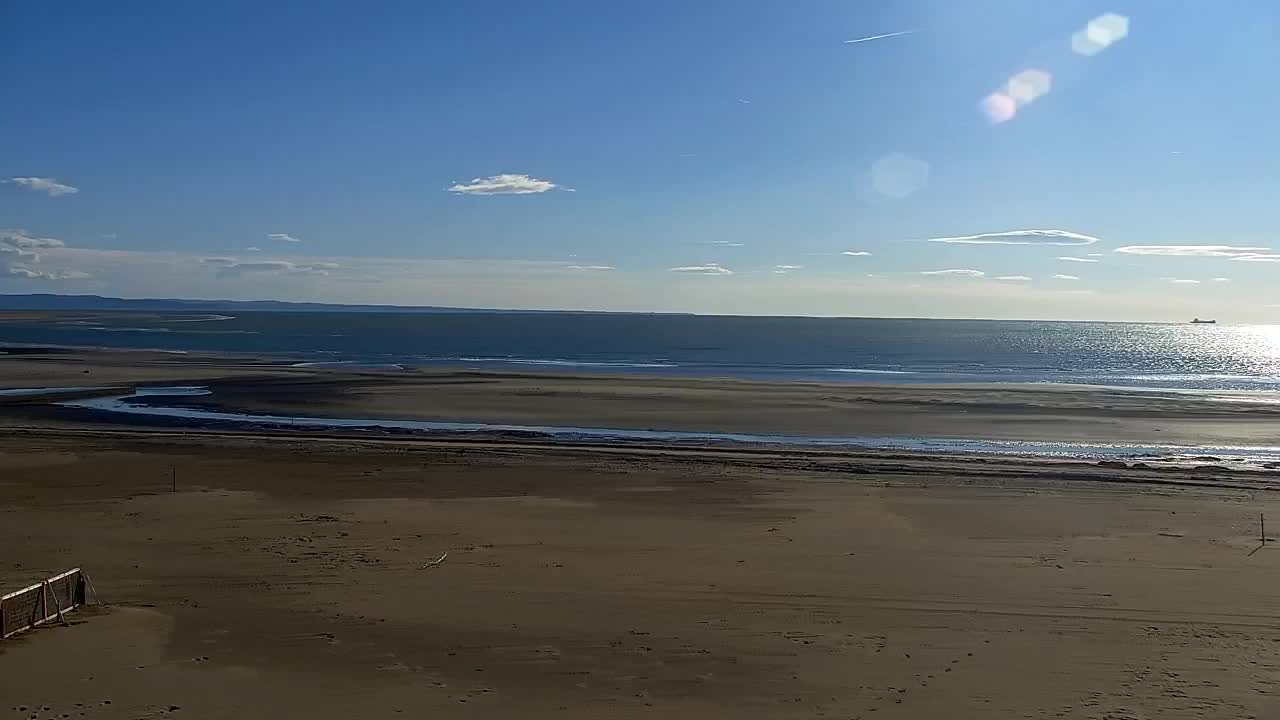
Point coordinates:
[[862, 350]]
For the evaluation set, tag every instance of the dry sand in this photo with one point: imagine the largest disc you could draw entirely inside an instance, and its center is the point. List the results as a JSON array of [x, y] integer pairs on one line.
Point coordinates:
[[287, 576]]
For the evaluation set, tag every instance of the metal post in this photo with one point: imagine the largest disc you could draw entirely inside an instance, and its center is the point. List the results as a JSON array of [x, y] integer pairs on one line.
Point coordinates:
[[56, 603], [44, 601]]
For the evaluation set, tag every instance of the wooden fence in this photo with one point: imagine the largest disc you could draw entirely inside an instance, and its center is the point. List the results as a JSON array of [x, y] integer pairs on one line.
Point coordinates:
[[46, 600]]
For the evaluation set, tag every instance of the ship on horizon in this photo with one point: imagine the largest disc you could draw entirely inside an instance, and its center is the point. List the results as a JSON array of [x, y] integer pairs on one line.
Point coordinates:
[[1198, 321]]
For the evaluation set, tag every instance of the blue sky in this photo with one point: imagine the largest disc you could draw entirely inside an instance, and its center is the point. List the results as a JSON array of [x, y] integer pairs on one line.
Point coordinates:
[[714, 157]]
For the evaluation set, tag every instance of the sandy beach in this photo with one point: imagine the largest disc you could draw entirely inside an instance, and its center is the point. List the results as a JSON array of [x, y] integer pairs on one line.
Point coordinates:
[[293, 575]]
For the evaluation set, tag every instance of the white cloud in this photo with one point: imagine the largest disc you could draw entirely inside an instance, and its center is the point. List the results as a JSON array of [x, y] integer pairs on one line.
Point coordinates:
[[1180, 281], [1065, 277], [1068, 258], [1256, 258], [856, 253], [231, 267], [504, 184], [253, 248], [23, 271], [1095, 254], [1012, 278], [44, 185], [967, 273], [20, 250], [708, 269], [1220, 279], [1230, 251], [588, 267], [285, 237], [1020, 237], [721, 243], [784, 269], [22, 242]]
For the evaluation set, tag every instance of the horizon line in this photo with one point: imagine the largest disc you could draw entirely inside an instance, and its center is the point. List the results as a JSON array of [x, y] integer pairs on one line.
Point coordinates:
[[335, 307]]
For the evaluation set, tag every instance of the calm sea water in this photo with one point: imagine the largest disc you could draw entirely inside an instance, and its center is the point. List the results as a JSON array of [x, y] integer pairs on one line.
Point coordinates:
[[1188, 356]]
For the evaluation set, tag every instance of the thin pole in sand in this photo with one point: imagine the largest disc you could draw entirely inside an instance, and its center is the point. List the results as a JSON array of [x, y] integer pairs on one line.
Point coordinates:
[[1262, 534], [173, 473]]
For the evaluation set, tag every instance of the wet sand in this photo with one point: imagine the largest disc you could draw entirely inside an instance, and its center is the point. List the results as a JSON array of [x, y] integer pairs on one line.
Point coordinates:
[[1044, 413]]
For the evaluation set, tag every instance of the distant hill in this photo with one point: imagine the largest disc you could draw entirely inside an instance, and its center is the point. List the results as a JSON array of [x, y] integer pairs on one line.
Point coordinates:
[[97, 302]]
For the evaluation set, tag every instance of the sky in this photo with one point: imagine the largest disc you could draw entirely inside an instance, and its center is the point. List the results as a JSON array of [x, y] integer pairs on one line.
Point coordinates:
[[916, 158]]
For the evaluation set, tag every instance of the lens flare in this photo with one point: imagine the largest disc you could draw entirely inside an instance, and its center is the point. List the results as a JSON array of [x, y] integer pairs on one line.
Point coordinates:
[[899, 175], [1101, 33], [999, 107]]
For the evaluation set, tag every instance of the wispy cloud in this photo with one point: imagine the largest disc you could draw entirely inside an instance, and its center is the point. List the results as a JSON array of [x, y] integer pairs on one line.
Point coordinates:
[[744, 101], [20, 250], [505, 184], [588, 267], [231, 267], [1251, 257], [1065, 277], [284, 237], [721, 243], [1219, 280], [21, 242], [1180, 281], [869, 38], [708, 269], [29, 273], [784, 269], [1068, 258], [1230, 251], [1012, 278], [43, 184], [253, 248], [960, 271], [1020, 237], [856, 253]]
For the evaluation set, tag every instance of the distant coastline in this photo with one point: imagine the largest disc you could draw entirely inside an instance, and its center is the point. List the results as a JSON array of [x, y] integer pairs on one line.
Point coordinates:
[[45, 302], [49, 302]]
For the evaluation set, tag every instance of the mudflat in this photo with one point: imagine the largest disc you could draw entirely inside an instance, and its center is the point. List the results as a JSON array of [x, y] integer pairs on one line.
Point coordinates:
[[1047, 413]]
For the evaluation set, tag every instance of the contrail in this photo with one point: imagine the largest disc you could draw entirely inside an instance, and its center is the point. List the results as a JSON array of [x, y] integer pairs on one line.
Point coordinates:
[[881, 37]]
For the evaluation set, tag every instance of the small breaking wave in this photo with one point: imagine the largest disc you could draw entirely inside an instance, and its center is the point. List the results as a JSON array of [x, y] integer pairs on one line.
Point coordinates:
[[201, 318], [562, 363], [353, 364], [870, 371]]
